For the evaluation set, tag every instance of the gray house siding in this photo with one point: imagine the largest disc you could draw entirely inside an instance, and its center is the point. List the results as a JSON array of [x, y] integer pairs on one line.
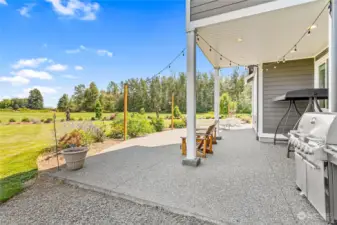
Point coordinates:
[[292, 75], [205, 8]]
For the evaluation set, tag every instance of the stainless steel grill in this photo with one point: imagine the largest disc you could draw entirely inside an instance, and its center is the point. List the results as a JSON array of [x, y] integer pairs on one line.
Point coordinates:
[[315, 142]]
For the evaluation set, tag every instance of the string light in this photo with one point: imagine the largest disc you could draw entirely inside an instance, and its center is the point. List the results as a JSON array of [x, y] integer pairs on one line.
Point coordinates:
[[283, 58], [182, 52], [307, 32]]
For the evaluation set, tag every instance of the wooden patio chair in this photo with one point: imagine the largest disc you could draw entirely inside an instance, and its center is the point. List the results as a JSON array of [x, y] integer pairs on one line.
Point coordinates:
[[204, 141], [213, 133]]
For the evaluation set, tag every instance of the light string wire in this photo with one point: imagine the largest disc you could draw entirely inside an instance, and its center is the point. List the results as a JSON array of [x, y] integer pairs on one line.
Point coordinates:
[[181, 53], [293, 48]]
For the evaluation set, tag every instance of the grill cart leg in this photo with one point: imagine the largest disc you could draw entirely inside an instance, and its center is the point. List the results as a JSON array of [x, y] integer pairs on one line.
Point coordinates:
[[289, 150], [278, 125]]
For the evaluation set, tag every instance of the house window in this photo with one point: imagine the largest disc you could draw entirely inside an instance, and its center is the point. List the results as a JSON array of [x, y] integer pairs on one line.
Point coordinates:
[[322, 78]]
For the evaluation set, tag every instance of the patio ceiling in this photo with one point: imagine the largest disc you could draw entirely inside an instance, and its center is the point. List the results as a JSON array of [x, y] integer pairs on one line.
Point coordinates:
[[267, 37]]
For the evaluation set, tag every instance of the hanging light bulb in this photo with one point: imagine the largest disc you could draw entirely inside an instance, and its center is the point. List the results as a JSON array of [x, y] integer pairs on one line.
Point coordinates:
[[169, 66], [198, 37], [274, 67], [294, 50], [183, 53], [230, 63], [284, 59], [309, 31], [210, 48]]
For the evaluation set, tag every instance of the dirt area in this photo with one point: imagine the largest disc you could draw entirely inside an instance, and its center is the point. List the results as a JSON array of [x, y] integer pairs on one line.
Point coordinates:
[[49, 160], [50, 201]]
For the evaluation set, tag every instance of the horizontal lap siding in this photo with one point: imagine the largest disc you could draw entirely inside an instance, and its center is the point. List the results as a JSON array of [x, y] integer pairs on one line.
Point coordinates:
[[289, 76], [205, 8]]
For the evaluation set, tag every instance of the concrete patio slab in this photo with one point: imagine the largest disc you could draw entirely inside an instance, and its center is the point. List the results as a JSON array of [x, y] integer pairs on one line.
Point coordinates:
[[244, 182]]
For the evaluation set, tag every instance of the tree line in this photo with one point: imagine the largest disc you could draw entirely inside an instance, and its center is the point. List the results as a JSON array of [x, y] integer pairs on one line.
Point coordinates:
[[154, 94], [34, 101]]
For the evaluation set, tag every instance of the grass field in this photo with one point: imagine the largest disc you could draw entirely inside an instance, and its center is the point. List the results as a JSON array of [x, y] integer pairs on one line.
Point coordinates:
[[18, 116]]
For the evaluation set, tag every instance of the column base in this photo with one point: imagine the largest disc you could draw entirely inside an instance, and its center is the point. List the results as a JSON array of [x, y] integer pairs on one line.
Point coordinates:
[[191, 162], [218, 137]]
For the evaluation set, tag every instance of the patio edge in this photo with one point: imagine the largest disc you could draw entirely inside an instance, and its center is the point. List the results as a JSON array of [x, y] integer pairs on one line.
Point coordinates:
[[132, 198]]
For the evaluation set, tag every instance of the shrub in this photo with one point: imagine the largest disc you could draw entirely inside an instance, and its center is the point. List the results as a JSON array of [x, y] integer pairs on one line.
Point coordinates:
[[73, 139], [178, 124], [93, 118], [113, 116], [142, 111], [42, 120], [80, 119], [176, 112], [105, 119], [117, 129], [149, 117], [62, 120], [12, 120], [48, 120], [72, 119], [98, 133], [138, 125], [158, 124], [25, 120]]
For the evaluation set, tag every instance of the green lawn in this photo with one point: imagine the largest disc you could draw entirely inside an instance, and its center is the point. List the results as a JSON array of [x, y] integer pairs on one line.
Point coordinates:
[[18, 116], [20, 145]]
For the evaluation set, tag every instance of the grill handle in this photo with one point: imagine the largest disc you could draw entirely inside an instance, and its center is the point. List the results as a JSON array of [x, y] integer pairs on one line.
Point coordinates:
[[331, 152], [312, 165]]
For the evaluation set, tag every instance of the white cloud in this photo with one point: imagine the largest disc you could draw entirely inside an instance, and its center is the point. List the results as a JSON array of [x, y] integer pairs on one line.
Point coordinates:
[[27, 73], [24, 11], [42, 89], [3, 2], [77, 50], [68, 76], [33, 63], [15, 80], [103, 52], [77, 9], [78, 68], [57, 67]]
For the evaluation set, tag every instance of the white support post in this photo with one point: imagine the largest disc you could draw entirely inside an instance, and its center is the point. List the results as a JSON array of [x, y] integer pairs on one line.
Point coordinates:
[[217, 98], [333, 57], [191, 100]]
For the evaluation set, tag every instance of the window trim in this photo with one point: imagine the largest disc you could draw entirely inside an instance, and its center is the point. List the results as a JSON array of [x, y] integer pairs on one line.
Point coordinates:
[[318, 63]]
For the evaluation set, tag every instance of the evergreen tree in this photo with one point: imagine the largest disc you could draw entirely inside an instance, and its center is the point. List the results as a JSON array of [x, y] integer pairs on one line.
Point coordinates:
[[63, 103], [98, 110]]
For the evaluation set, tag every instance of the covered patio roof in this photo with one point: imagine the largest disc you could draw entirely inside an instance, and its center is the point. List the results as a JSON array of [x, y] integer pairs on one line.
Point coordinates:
[[266, 37]]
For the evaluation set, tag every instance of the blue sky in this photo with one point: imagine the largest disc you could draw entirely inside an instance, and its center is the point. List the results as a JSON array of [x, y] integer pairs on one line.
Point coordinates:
[[56, 44]]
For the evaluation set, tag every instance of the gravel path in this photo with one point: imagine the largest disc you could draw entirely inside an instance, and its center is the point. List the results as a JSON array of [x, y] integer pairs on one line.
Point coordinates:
[[52, 202]]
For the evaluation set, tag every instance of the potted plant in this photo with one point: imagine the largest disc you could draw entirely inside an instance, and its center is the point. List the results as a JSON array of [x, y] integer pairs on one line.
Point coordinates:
[[75, 147]]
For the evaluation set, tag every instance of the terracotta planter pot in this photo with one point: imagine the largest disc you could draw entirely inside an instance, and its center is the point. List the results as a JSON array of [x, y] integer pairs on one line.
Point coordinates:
[[75, 157]]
